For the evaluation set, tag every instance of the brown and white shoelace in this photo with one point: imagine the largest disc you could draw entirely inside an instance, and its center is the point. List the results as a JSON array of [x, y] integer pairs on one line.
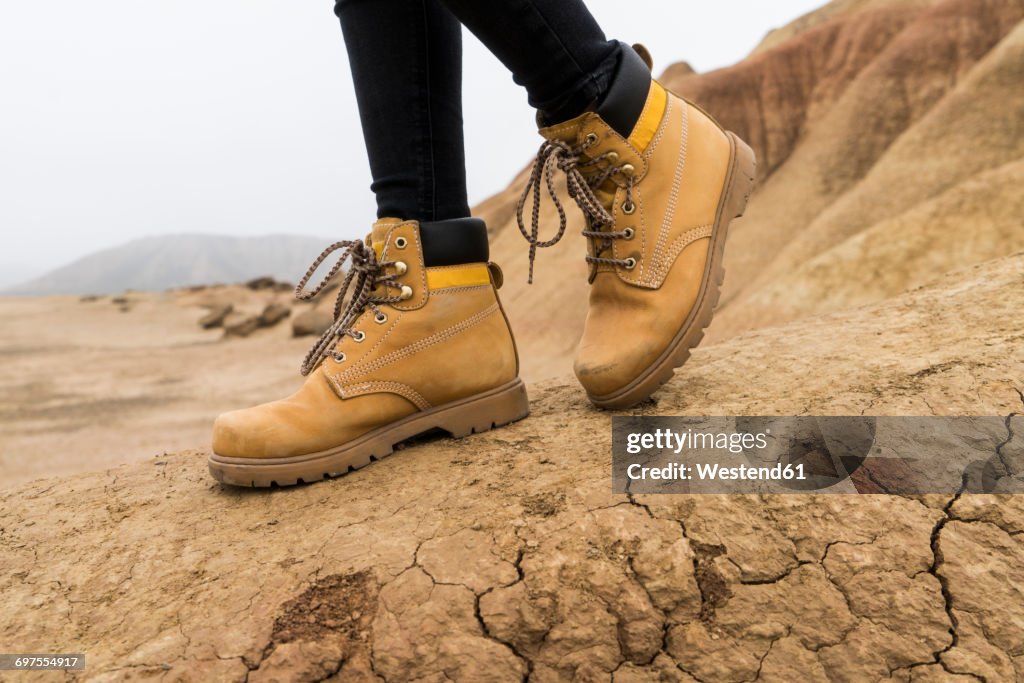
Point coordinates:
[[364, 275], [575, 164]]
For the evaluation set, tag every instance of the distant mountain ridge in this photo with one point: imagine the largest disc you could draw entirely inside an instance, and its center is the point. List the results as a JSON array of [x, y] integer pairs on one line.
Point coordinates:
[[167, 261]]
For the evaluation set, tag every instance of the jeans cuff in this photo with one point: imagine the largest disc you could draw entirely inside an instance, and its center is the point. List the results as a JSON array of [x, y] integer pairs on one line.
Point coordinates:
[[582, 95]]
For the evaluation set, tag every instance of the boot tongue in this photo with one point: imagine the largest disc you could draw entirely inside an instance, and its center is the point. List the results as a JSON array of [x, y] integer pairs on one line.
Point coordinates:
[[379, 235], [378, 239], [567, 132]]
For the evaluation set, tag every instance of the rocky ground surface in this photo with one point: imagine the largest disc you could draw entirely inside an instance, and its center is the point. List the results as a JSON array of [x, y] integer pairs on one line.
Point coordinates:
[[505, 556]]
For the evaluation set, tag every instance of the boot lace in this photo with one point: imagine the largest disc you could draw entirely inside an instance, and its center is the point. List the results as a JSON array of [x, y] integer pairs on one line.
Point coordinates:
[[582, 177], [363, 277]]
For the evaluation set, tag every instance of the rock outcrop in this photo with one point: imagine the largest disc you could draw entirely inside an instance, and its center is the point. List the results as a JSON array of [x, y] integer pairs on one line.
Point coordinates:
[[250, 313], [311, 322], [216, 316], [274, 313], [240, 325]]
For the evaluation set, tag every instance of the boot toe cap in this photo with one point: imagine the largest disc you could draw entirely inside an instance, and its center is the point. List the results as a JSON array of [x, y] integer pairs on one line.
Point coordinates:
[[604, 370], [244, 434]]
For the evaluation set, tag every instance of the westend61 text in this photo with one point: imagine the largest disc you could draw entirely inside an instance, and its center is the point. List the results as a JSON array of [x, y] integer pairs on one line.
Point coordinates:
[[705, 472]]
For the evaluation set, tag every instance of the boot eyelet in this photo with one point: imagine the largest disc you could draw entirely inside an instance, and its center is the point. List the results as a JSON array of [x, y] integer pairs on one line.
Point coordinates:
[[339, 357], [628, 233], [401, 242], [401, 268], [406, 293], [628, 170], [358, 335], [630, 263], [591, 138], [628, 208], [380, 318], [612, 157]]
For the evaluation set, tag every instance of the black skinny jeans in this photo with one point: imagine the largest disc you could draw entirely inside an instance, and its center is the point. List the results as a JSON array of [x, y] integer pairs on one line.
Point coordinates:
[[406, 58]]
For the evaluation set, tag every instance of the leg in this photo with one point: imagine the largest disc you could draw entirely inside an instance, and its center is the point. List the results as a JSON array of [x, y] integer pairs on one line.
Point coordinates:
[[554, 48], [406, 58]]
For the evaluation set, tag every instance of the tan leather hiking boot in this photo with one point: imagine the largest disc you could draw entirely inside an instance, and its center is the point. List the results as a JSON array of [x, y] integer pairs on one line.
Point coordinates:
[[423, 344], [658, 196]]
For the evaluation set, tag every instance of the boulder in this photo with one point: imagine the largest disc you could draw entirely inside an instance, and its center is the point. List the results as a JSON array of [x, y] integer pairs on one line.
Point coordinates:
[[274, 313], [240, 325], [264, 282], [216, 315], [311, 323]]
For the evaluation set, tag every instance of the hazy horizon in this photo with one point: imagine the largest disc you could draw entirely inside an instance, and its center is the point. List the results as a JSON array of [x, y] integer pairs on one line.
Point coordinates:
[[129, 120]]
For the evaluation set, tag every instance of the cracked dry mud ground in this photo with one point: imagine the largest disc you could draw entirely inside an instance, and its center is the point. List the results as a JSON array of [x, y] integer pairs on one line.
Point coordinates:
[[504, 556]]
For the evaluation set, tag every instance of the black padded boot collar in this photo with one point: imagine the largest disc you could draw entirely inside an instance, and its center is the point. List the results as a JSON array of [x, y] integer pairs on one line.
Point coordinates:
[[454, 242], [624, 102]]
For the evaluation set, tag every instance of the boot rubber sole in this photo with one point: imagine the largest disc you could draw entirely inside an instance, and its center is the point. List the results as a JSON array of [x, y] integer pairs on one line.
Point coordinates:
[[739, 184], [480, 413]]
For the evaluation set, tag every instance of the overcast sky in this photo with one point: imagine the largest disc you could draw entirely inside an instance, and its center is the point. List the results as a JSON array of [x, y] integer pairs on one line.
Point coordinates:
[[122, 119]]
